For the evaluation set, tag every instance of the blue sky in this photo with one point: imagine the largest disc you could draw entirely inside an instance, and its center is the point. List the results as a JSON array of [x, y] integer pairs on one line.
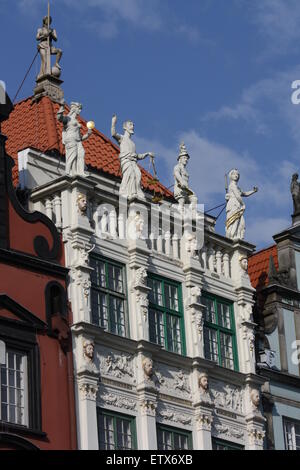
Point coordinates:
[[216, 73]]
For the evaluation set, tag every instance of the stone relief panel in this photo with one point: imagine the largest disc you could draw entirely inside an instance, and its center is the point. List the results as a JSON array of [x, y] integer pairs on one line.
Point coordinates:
[[116, 365], [171, 381], [227, 396]]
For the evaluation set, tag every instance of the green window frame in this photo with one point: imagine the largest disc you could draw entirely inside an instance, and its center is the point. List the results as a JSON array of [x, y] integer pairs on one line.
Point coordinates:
[[166, 320], [116, 431], [108, 294], [173, 439], [219, 444], [219, 332]]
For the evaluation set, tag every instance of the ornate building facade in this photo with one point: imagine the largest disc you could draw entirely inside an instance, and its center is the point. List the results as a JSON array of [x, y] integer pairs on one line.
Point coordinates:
[[163, 331]]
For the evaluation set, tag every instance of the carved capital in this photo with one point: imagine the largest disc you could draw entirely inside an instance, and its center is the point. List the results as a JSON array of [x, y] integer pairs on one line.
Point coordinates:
[[148, 407], [88, 391], [204, 422]]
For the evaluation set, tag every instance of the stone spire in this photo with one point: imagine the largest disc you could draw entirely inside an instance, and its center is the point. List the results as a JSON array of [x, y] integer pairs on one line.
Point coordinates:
[[48, 81]]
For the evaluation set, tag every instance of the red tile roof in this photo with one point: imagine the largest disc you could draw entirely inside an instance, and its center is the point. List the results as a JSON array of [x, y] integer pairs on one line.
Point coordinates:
[[259, 266], [34, 125]]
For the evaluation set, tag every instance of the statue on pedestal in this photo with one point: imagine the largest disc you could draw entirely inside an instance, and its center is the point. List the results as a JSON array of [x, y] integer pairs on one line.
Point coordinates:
[[45, 36], [131, 174], [235, 222], [183, 194], [72, 139], [295, 190]]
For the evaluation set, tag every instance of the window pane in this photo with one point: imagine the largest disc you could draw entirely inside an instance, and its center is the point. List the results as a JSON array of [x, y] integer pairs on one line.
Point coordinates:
[[117, 316], [173, 334], [172, 440], [226, 351], [155, 294], [156, 326], [115, 278], [164, 440], [98, 275], [292, 435], [210, 314], [115, 433], [224, 315], [211, 344], [13, 391], [171, 293], [99, 309]]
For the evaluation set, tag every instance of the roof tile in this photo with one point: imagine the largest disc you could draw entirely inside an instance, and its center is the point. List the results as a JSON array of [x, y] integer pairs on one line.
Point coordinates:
[[259, 266]]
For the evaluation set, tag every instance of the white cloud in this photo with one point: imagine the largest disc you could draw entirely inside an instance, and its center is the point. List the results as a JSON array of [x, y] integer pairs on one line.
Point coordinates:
[[111, 15], [278, 21]]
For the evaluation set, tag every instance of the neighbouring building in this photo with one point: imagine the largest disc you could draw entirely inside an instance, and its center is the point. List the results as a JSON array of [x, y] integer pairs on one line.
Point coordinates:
[[163, 332], [275, 273], [37, 403]]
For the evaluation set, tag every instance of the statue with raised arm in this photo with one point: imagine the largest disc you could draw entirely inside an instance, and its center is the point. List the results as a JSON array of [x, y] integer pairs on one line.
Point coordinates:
[[235, 222], [45, 36], [72, 139], [295, 190], [131, 174], [183, 194]]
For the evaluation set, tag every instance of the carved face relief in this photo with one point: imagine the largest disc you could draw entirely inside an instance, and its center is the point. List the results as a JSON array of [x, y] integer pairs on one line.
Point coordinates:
[[82, 203], [203, 382], [244, 264], [255, 398], [88, 350], [148, 367]]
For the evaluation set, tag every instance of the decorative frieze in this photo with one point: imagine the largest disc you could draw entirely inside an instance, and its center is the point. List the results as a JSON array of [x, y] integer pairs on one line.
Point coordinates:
[[175, 416], [118, 401], [227, 431]]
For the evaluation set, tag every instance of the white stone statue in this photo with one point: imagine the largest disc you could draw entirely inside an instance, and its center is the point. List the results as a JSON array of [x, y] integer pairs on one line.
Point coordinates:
[[72, 139], [235, 222], [131, 173], [183, 194]]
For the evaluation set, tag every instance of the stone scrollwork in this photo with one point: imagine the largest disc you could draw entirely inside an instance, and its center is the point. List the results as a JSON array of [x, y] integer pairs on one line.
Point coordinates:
[[228, 431], [143, 302], [141, 277], [88, 391], [148, 407], [118, 401], [176, 417], [204, 421], [256, 436]]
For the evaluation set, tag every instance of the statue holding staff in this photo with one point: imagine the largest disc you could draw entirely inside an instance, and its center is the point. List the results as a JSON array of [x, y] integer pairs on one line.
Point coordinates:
[[45, 36], [72, 139], [131, 174], [235, 208]]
